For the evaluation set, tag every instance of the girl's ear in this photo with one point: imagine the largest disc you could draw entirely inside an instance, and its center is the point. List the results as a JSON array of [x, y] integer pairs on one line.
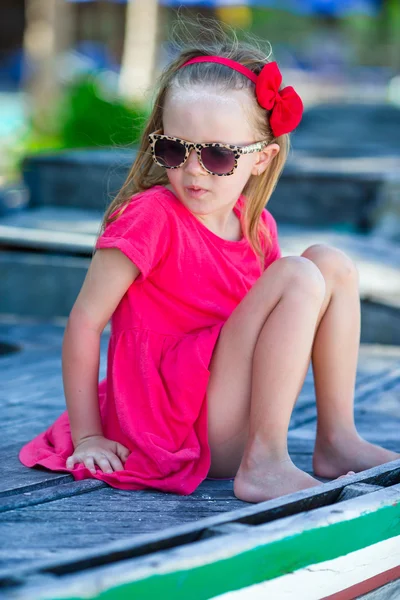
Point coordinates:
[[264, 158]]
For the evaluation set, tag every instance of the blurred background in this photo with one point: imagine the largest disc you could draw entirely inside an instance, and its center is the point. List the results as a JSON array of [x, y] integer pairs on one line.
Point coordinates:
[[75, 89], [58, 57]]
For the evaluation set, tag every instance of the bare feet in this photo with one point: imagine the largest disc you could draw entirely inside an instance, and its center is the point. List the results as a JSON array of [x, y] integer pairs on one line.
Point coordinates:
[[350, 451], [272, 480]]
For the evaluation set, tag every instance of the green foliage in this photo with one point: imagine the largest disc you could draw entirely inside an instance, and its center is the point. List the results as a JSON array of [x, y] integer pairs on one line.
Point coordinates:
[[90, 119], [87, 116]]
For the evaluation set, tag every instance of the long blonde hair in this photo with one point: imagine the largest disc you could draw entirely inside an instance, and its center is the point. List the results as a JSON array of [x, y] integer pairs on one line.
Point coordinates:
[[221, 41]]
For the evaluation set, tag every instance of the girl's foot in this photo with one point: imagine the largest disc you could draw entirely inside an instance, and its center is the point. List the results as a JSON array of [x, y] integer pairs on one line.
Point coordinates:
[[333, 457], [271, 480]]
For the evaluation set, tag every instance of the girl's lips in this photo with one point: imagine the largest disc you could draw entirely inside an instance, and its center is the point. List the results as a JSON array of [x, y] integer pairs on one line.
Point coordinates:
[[195, 192]]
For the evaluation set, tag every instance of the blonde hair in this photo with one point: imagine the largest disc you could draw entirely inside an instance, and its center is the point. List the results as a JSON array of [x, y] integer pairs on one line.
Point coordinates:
[[216, 39]]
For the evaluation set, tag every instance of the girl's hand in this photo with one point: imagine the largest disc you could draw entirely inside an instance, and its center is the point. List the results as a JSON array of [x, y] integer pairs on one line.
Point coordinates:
[[106, 453]]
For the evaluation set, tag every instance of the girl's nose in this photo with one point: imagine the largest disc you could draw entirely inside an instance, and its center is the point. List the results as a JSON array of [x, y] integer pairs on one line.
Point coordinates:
[[192, 165]]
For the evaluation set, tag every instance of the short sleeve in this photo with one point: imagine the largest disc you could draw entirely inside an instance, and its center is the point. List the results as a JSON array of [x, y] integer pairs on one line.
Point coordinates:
[[141, 232], [273, 251]]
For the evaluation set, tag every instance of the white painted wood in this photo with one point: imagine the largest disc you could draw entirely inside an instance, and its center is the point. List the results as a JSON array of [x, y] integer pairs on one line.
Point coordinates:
[[326, 578]]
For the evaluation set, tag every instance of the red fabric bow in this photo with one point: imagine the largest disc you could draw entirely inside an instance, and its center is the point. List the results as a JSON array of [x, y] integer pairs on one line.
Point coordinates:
[[286, 105]]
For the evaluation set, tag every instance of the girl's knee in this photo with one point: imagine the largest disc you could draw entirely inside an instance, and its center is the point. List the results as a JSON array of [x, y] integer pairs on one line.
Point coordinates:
[[303, 276], [332, 262]]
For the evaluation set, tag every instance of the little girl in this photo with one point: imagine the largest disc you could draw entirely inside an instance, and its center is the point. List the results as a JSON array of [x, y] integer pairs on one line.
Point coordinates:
[[212, 331]]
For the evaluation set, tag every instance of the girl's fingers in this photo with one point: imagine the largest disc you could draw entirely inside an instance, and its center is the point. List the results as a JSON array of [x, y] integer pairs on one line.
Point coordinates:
[[122, 452], [89, 463], [115, 462], [104, 463], [107, 462]]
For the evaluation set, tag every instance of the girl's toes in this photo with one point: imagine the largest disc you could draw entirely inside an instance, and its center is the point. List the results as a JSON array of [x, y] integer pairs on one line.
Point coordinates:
[[349, 473]]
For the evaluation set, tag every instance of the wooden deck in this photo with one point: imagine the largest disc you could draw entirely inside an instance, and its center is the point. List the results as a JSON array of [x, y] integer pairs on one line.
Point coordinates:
[[68, 539], [49, 519]]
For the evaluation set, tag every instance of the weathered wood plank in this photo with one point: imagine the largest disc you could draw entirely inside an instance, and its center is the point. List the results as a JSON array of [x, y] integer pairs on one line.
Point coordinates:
[[225, 529], [49, 493], [177, 571], [271, 511], [377, 420], [358, 489]]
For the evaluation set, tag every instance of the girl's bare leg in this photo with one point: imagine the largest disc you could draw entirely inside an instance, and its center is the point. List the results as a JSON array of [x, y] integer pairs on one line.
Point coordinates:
[[338, 446], [280, 363], [245, 396], [257, 371]]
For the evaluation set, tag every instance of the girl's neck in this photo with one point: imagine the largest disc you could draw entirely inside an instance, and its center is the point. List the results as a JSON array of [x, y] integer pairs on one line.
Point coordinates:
[[233, 230]]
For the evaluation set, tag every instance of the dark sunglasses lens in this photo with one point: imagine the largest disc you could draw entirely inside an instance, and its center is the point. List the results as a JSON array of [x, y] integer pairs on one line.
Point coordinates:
[[218, 160], [169, 153]]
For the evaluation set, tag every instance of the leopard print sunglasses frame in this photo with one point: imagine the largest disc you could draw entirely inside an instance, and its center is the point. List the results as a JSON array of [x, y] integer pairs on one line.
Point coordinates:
[[237, 150]]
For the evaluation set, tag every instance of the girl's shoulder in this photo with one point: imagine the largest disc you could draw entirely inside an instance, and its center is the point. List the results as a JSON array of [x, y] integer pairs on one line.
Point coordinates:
[[139, 215], [141, 230], [151, 201]]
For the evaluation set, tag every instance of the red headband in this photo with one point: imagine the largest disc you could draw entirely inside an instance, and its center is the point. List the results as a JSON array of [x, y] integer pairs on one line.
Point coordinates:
[[286, 104]]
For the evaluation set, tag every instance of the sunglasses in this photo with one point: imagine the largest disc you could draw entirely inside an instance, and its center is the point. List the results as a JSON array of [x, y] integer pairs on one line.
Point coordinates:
[[216, 159]]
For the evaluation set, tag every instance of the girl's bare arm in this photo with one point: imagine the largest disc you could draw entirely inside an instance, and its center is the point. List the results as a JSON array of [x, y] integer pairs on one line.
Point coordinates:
[[109, 276]]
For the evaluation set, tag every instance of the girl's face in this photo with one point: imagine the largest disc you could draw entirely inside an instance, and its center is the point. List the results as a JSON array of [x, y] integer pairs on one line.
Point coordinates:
[[209, 115]]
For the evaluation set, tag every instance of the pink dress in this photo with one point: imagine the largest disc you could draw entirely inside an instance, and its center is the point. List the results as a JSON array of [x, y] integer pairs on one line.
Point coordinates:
[[163, 332]]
